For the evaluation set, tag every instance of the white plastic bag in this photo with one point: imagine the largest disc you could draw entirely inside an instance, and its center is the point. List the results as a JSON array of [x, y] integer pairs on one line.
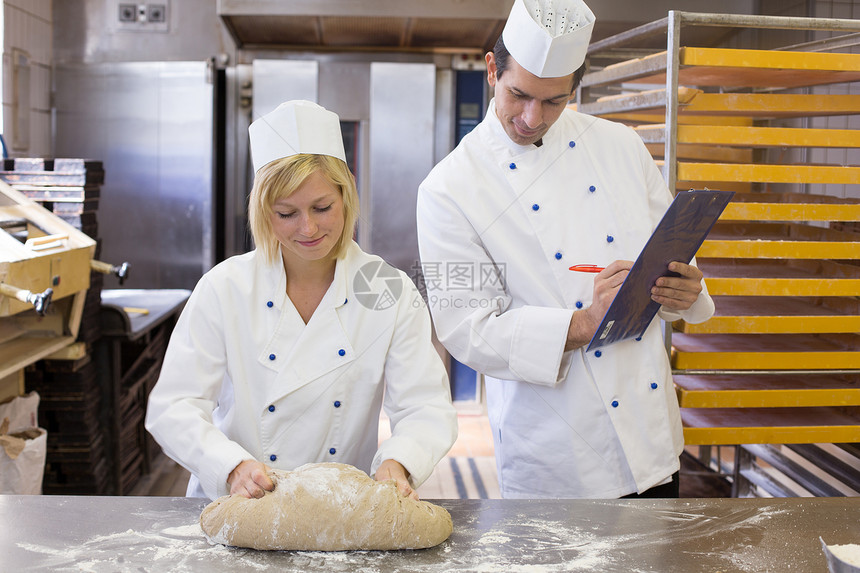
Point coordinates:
[[23, 474], [22, 412], [23, 447]]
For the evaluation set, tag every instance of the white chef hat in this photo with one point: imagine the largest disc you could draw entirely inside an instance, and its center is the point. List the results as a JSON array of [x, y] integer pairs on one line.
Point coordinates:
[[294, 127], [549, 38]]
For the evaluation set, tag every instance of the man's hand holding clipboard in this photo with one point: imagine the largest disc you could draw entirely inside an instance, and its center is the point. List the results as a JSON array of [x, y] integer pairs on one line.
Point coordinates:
[[660, 275]]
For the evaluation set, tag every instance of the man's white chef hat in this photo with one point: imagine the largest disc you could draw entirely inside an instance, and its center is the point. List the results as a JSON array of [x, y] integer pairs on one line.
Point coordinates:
[[295, 127], [549, 38]]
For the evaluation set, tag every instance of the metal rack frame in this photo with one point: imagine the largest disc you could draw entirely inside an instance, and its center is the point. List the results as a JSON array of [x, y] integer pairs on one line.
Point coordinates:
[[672, 26]]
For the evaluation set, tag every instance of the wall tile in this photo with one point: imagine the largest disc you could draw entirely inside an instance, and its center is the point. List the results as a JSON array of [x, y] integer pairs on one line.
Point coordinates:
[[40, 134], [7, 77], [40, 87], [41, 44], [823, 10], [7, 123], [853, 158], [43, 9], [37, 8], [816, 155], [840, 10], [13, 28]]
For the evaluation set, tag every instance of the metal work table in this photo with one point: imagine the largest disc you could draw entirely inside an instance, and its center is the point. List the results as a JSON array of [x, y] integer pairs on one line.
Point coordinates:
[[682, 535], [159, 304]]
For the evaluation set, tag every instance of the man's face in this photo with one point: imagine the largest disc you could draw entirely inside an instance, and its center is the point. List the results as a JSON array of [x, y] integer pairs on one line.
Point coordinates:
[[525, 104]]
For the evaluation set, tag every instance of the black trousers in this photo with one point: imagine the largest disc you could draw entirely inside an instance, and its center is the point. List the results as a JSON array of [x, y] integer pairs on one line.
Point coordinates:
[[671, 489]]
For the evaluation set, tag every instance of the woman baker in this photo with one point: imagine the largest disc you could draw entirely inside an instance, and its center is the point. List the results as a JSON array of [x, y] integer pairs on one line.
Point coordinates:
[[285, 355]]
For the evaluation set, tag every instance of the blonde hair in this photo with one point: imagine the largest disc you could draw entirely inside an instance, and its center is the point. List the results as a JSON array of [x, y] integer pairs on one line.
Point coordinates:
[[280, 178]]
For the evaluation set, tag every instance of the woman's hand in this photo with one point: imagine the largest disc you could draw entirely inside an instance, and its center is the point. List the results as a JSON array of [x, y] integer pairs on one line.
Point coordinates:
[[390, 469], [249, 479]]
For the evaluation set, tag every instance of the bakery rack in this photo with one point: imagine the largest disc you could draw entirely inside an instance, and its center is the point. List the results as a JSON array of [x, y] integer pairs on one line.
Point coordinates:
[[777, 369]]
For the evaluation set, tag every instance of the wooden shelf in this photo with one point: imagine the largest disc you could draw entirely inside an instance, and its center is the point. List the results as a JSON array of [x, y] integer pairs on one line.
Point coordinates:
[[760, 248], [715, 426], [720, 67], [748, 105], [782, 287], [779, 315], [769, 173], [768, 391], [653, 117], [790, 207], [786, 277], [21, 352], [746, 136], [778, 241], [765, 352], [691, 152]]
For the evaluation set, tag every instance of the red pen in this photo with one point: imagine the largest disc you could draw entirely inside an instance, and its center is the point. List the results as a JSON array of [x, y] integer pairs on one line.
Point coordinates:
[[586, 268]]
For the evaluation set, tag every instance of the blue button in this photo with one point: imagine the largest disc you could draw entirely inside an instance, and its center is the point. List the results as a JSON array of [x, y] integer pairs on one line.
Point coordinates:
[[615, 403], [653, 385], [272, 408], [273, 457], [342, 352], [578, 304], [513, 165], [592, 189], [271, 356], [558, 256], [609, 238], [332, 451], [346, 300], [638, 339], [270, 304], [598, 353], [337, 403], [535, 207], [572, 144]]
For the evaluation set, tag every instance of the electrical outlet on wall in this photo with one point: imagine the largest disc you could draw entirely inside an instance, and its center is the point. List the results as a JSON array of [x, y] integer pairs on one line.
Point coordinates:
[[140, 16], [127, 13], [156, 13]]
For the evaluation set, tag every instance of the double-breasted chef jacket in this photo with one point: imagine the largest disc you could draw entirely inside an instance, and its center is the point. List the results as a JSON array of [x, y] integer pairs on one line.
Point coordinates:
[[598, 424], [245, 378]]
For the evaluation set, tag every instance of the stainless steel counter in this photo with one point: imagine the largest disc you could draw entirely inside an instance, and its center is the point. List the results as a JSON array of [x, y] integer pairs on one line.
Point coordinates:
[[66, 533]]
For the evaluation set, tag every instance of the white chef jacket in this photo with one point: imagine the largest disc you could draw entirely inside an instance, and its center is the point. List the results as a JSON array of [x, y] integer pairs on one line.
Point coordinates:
[[598, 424], [245, 378]]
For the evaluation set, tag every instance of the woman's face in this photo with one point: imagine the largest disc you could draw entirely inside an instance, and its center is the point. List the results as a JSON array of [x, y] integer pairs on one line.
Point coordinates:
[[309, 223]]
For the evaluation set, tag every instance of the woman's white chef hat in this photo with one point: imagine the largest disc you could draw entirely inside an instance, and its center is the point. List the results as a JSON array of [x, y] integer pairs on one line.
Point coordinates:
[[294, 127], [549, 38]]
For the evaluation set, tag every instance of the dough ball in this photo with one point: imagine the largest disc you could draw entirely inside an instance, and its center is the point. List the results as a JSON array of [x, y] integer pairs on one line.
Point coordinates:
[[326, 507]]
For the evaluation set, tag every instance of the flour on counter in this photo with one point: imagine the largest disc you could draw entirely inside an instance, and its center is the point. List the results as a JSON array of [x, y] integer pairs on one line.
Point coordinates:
[[173, 548], [482, 542]]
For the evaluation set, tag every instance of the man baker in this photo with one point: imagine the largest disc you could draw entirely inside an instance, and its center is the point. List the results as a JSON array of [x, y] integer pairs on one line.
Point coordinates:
[[533, 189]]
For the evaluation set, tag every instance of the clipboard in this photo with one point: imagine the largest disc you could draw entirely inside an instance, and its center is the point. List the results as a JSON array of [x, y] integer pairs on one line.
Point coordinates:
[[678, 236]]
